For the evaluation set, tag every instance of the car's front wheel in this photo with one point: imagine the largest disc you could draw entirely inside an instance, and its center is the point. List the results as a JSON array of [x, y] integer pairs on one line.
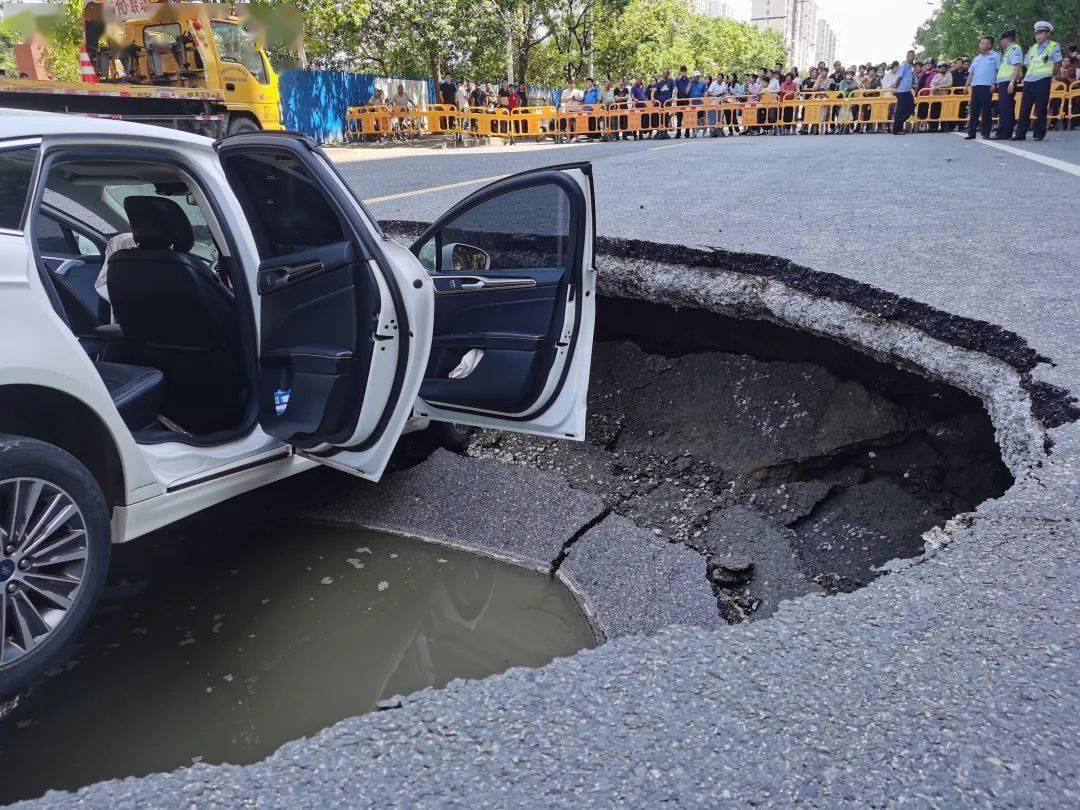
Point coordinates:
[[451, 435], [54, 555]]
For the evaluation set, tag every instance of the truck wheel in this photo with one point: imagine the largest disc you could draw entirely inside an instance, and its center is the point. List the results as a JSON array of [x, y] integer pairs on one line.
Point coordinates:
[[54, 554], [241, 124]]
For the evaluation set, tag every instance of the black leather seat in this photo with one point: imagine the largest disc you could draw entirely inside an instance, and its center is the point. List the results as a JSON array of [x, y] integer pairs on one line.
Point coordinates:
[[176, 316], [137, 392]]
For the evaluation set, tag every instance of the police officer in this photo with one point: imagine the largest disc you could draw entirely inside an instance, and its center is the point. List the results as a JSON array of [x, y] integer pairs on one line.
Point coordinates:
[[1042, 61], [1008, 76], [980, 83]]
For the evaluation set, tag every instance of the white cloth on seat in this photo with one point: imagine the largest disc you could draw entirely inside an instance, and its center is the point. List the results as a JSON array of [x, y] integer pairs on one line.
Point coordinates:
[[122, 241]]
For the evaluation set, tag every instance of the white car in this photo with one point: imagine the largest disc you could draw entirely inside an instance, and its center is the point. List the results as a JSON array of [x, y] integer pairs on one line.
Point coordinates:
[[257, 323]]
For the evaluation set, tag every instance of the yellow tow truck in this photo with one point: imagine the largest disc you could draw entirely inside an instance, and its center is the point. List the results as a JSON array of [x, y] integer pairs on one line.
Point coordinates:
[[191, 66]]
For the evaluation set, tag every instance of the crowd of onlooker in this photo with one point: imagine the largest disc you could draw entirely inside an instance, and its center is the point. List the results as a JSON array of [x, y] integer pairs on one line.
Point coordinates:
[[931, 77], [484, 96]]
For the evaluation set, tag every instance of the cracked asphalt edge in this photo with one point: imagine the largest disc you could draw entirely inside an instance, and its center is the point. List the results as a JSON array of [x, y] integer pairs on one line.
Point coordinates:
[[998, 373]]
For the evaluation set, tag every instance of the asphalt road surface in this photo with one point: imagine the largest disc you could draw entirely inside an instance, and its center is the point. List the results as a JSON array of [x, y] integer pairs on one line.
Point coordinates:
[[952, 681]]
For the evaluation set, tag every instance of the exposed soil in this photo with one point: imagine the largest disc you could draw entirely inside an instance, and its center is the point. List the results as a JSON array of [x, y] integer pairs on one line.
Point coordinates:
[[791, 463]]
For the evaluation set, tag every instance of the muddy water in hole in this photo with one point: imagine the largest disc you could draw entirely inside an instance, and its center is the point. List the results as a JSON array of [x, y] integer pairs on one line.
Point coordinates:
[[221, 652]]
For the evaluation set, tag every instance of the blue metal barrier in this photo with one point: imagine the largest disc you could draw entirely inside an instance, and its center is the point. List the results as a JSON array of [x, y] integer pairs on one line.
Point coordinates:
[[315, 101]]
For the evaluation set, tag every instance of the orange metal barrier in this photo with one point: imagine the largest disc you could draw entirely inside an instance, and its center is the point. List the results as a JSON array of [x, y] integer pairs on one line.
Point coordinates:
[[1060, 103], [437, 119], [532, 122], [814, 111], [367, 122], [949, 105]]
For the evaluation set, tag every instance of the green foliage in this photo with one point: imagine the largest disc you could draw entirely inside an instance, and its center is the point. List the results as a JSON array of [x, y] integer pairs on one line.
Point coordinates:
[[954, 30], [331, 29], [650, 35], [62, 28], [65, 34], [8, 40], [548, 39]]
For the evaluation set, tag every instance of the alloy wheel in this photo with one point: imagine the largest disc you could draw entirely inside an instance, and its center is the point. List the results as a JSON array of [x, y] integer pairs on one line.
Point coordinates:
[[43, 558]]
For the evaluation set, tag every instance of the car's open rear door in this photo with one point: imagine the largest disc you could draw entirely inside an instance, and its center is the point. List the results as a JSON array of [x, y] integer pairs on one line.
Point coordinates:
[[344, 328], [515, 304]]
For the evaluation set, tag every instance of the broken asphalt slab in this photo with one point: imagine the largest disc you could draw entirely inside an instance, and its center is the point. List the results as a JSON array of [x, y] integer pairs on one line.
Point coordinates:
[[636, 581], [511, 513], [628, 580]]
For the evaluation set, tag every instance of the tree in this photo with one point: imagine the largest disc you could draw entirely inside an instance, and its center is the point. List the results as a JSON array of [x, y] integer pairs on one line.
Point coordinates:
[[955, 28], [526, 26], [650, 35], [544, 41], [8, 40], [331, 30]]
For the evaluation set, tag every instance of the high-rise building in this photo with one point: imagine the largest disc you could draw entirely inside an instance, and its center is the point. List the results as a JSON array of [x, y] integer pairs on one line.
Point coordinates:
[[798, 24], [825, 46], [714, 8]]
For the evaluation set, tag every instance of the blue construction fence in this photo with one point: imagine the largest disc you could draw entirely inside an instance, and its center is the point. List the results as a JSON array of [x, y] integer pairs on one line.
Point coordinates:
[[315, 101]]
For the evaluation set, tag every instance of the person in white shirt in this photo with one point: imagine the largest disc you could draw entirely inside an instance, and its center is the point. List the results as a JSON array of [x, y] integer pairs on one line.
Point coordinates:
[[942, 79], [402, 105], [400, 99], [774, 83], [888, 81], [122, 241], [570, 100], [461, 97]]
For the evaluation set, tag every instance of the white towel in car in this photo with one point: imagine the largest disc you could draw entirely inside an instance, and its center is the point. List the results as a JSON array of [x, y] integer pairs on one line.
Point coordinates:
[[122, 241], [468, 364]]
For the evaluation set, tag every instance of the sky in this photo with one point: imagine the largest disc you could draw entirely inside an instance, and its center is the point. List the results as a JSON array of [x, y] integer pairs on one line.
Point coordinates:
[[874, 30], [867, 30]]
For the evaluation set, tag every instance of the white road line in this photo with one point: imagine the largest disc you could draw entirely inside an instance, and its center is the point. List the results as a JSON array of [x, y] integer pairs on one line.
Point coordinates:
[[658, 148], [447, 187], [1053, 163]]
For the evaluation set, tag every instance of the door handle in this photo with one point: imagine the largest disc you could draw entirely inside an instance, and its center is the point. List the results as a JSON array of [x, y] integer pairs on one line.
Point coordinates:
[[295, 271], [485, 283], [275, 277]]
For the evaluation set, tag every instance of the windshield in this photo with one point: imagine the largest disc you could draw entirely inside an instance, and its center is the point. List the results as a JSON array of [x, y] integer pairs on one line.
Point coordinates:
[[234, 44]]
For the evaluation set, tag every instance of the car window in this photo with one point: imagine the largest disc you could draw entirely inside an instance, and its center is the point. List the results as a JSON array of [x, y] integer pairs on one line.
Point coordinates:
[[78, 213], [287, 210], [51, 237], [528, 228], [85, 246], [16, 167]]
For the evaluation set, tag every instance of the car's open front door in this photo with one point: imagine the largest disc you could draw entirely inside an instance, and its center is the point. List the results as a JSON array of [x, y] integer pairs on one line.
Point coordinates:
[[515, 304], [344, 328]]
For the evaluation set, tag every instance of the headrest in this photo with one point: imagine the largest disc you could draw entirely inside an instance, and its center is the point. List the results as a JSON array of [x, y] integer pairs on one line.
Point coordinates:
[[158, 223]]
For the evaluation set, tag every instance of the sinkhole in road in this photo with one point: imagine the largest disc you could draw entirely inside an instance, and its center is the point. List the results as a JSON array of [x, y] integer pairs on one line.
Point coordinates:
[[792, 463], [220, 639]]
